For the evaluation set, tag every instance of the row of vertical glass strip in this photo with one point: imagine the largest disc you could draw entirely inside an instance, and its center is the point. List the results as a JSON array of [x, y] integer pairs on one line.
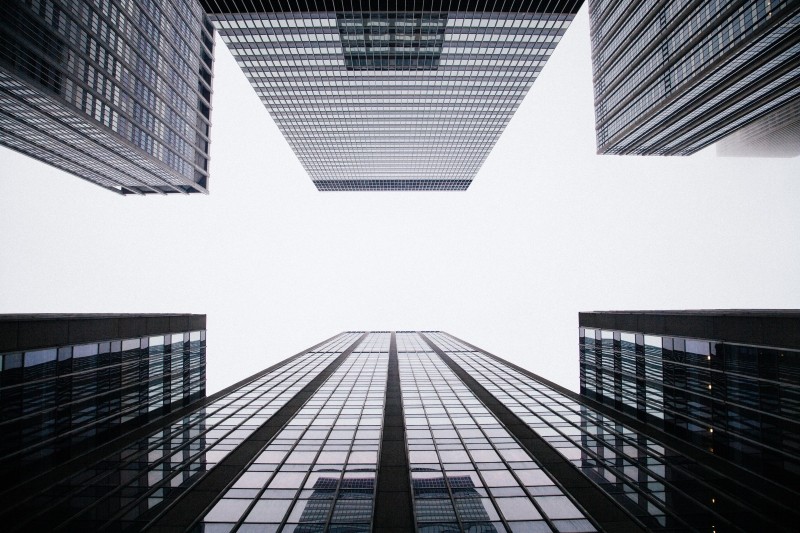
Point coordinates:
[[118, 490], [631, 83], [391, 122], [666, 490], [140, 69], [320, 470], [54, 399], [467, 472], [774, 135], [740, 401]]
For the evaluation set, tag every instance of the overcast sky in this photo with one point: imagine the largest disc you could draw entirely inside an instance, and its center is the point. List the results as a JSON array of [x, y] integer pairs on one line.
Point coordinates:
[[547, 229]]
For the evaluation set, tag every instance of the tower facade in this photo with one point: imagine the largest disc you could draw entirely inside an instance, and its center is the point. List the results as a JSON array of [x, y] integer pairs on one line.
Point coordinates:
[[776, 134], [391, 95], [397, 431], [724, 381], [671, 78], [73, 382], [116, 93]]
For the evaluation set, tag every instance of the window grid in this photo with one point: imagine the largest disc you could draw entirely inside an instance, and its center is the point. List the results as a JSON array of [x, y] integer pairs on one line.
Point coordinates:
[[344, 121], [172, 459], [661, 487], [54, 398], [740, 401], [497, 486], [319, 471], [128, 82], [672, 78]]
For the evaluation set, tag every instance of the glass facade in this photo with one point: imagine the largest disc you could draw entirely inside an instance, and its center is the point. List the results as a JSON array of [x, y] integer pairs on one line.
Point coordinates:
[[468, 472], [124, 487], [736, 401], [313, 445], [52, 399], [393, 98], [673, 77], [116, 92], [318, 473], [776, 134], [740, 401]]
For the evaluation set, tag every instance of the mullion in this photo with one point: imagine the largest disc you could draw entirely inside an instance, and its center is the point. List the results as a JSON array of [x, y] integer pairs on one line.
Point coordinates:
[[634, 484], [313, 398], [184, 465], [350, 451], [433, 440], [495, 449]]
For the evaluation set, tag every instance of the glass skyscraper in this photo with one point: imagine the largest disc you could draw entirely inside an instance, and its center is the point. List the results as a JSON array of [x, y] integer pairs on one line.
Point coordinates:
[[391, 95], [776, 134], [117, 92], [399, 431], [72, 382], [671, 78], [726, 382]]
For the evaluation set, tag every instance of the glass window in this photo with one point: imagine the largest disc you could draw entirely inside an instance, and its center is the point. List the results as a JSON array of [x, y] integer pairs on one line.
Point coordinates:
[[268, 511], [558, 507], [518, 509], [499, 478], [40, 357], [252, 480], [227, 510], [533, 477], [84, 350]]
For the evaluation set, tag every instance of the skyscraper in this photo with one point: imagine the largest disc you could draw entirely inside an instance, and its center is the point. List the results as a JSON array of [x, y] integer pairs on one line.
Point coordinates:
[[776, 134], [117, 93], [671, 78], [72, 382], [391, 95], [725, 382], [398, 431]]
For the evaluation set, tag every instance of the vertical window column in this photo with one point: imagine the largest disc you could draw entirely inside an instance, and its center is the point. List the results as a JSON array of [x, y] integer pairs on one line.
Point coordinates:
[[393, 510], [185, 511], [597, 504]]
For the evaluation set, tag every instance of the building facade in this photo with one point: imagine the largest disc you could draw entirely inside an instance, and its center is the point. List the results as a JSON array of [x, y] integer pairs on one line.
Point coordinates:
[[727, 382], [116, 92], [391, 95], [397, 431], [776, 134], [71, 382], [671, 78]]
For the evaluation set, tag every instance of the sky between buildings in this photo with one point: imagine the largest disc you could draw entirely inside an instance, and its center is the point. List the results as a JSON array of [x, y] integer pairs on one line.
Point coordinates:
[[547, 229]]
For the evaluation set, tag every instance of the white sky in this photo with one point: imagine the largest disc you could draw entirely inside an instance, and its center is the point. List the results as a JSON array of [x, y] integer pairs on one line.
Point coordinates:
[[547, 229]]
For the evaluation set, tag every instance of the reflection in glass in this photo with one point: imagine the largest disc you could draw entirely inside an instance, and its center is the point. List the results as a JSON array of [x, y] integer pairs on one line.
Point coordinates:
[[662, 487], [68, 397]]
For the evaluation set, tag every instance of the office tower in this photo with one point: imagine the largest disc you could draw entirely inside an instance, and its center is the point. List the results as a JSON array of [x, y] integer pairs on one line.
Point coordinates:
[[71, 382], [116, 93], [671, 78], [726, 382], [391, 95], [398, 431], [776, 134]]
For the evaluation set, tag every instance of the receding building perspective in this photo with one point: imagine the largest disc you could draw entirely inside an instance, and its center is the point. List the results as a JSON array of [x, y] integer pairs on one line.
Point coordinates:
[[776, 134], [73, 382], [671, 78], [391, 95], [399, 431], [115, 92]]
